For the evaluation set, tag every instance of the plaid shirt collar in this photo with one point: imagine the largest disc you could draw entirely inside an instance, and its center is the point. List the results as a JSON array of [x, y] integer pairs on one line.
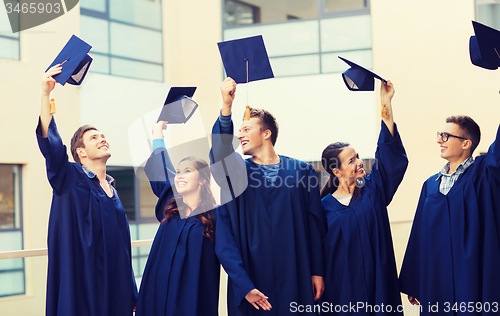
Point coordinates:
[[92, 175], [460, 169]]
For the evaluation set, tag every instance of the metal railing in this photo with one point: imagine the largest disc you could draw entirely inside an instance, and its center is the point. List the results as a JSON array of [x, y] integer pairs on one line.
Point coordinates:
[[43, 251]]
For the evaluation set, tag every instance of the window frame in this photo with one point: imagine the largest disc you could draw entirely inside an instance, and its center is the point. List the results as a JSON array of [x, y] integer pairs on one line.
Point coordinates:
[[18, 213], [107, 17]]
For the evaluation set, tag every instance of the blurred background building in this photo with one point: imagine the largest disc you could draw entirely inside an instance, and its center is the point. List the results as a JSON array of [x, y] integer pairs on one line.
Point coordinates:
[[143, 47]]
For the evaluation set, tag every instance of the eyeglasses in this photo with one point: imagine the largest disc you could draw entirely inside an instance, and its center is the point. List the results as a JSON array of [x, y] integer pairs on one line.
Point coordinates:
[[446, 136]]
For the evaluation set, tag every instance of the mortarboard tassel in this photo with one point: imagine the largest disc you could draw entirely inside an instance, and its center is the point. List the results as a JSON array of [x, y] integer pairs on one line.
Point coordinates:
[[247, 114], [384, 113], [52, 106]]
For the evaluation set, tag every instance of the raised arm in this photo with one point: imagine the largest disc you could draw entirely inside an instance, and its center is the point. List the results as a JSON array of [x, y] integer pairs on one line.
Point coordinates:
[[493, 160], [61, 175], [386, 93], [48, 84], [228, 91], [390, 158], [227, 166], [159, 168]]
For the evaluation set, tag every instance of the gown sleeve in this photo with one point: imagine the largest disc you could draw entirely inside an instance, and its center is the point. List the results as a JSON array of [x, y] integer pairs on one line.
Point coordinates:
[[161, 173], [317, 228], [229, 254], [493, 161], [62, 177], [390, 164], [227, 166], [409, 277]]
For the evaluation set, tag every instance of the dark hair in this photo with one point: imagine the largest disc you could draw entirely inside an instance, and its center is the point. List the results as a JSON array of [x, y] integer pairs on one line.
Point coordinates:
[[330, 160], [77, 140], [267, 122], [469, 128], [206, 217]]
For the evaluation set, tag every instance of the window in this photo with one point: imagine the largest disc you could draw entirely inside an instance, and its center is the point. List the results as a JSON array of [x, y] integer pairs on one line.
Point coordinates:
[[12, 274], [126, 37], [304, 37], [488, 13], [9, 42]]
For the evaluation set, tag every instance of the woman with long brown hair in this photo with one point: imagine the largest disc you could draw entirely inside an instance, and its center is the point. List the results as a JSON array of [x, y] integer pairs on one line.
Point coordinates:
[[360, 269], [181, 276]]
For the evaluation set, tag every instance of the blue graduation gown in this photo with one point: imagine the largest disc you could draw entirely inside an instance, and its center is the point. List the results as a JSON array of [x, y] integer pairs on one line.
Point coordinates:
[[359, 255], [90, 267], [267, 237], [453, 254], [182, 272]]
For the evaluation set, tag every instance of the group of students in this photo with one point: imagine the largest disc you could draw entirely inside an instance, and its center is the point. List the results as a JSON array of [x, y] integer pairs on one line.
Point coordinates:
[[287, 246]]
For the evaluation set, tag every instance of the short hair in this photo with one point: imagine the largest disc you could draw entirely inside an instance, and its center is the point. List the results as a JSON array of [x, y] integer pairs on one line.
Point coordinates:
[[77, 140], [469, 128], [267, 122]]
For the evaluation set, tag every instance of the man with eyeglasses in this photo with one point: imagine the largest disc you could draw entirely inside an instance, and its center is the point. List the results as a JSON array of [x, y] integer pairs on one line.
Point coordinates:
[[452, 261]]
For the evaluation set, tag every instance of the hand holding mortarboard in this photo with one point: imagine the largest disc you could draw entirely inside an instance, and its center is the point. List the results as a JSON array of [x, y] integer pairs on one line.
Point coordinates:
[[75, 60], [178, 107], [158, 129], [47, 106], [245, 60], [228, 92]]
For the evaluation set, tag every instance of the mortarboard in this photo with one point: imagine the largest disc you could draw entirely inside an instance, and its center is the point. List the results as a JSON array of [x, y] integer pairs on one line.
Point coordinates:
[[246, 59], [358, 78], [74, 60], [178, 107], [484, 48]]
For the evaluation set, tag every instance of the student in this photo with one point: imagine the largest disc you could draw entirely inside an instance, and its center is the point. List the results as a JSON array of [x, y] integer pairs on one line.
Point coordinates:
[[359, 257], [453, 254], [90, 267], [268, 238], [182, 273]]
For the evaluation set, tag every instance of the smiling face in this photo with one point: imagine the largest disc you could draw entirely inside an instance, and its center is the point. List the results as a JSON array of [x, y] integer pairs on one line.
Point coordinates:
[[96, 146], [251, 137], [187, 180], [455, 149], [351, 167]]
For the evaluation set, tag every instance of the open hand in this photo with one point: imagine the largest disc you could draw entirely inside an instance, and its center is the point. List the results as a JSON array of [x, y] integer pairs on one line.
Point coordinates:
[[257, 298]]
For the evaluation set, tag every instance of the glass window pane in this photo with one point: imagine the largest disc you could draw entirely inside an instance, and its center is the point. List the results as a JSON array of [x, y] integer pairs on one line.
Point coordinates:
[[332, 63], [12, 283], [343, 5], [95, 5], [346, 33], [9, 264], [5, 28], [238, 12], [139, 12], [125, 187], [282, 39], [489, 14], [136, 43], [148, 200], [11, 240], [9, 48], [7, 183], [100, 64], [136, 69], [95, 31], [295, 65]]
